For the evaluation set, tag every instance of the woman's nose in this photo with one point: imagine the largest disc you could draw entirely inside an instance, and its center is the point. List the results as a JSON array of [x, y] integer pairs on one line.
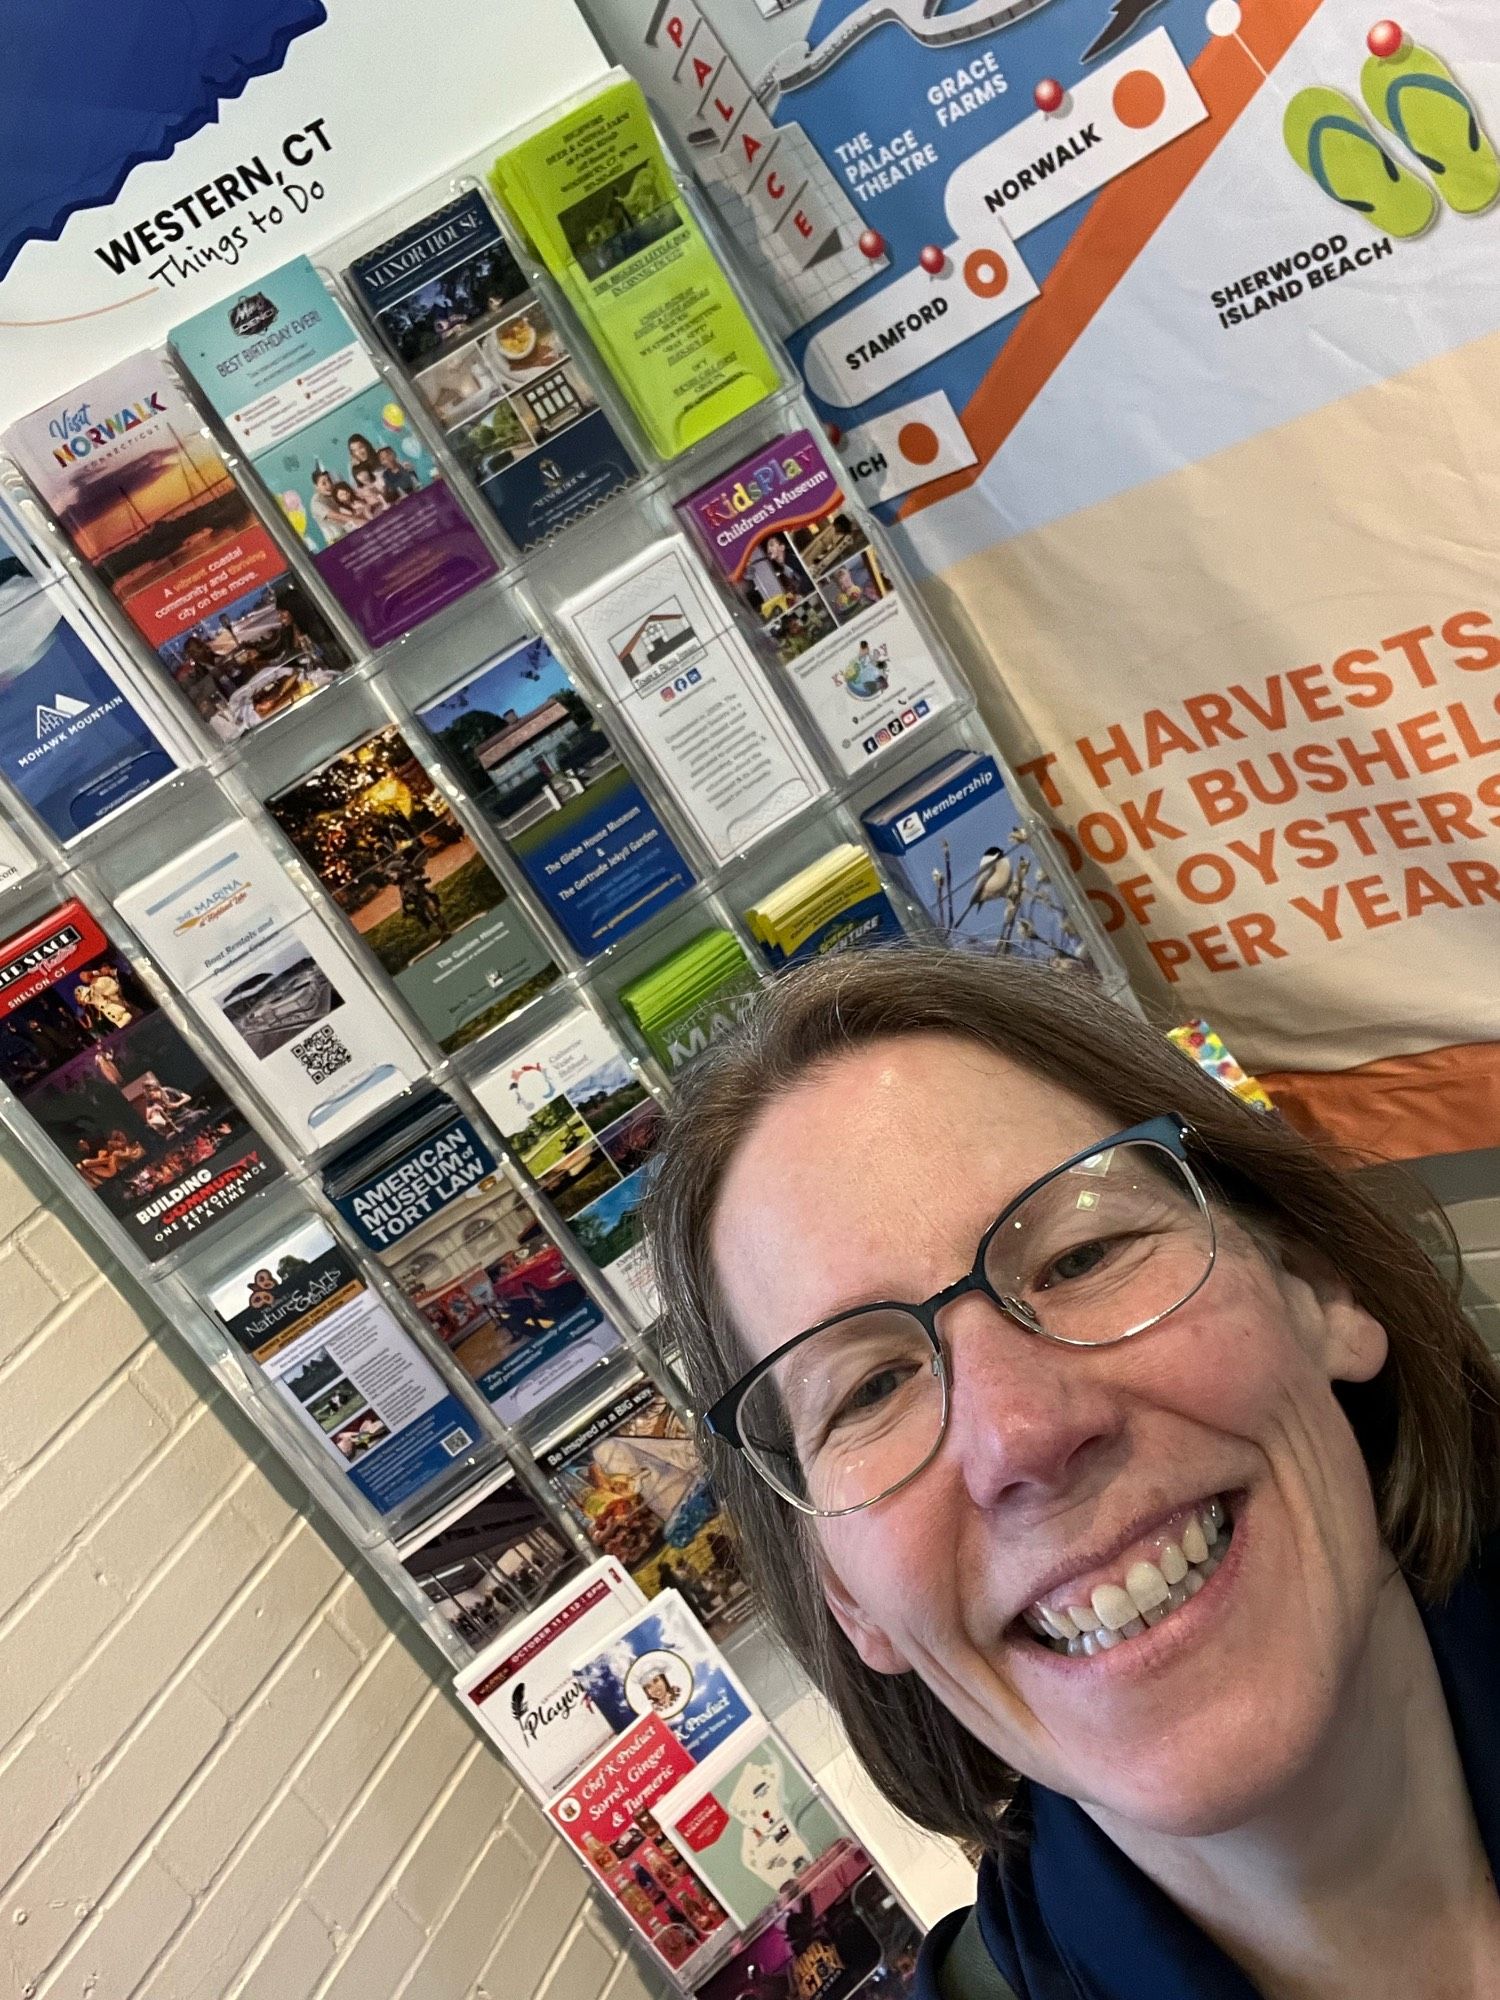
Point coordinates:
[[1028, 1416]]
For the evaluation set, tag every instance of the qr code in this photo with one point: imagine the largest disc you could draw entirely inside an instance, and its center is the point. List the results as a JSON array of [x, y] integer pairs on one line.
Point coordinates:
[[455, 1442], [321, 1054]]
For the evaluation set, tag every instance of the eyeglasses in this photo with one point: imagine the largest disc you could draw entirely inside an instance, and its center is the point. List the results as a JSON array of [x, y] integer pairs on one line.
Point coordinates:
[[1096, 1251]]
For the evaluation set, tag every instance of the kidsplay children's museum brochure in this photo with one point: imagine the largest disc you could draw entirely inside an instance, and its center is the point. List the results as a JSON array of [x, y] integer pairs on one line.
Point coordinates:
[[842, 1932], [153, 511], [428, 1197], [300, 395], [663, 1663], [780, 529], [494, 370], [487, 1560], [117, 1089]]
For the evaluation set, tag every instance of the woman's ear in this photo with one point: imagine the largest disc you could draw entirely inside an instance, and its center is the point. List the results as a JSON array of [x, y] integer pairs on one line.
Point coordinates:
[[1354, 1345], [872, 1645]]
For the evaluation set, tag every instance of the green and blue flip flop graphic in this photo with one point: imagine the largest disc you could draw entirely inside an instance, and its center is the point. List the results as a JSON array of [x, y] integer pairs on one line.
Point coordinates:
[[1327, 135], [1415, 95]]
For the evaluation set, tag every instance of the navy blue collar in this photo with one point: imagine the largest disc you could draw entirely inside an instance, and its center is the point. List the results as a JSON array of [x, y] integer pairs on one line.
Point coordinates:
[[1070, 1918]]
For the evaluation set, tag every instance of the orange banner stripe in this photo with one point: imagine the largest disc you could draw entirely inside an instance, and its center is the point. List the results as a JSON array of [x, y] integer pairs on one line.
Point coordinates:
[[1404, 1108]]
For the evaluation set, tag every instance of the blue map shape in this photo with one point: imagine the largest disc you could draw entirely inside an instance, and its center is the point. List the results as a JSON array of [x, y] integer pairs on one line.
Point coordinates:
[[90, 90]]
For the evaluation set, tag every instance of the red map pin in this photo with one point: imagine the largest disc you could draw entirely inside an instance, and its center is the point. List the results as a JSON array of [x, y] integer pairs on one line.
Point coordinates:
[[872, 244], [933, 260], [1049, 94], [1386, 38]]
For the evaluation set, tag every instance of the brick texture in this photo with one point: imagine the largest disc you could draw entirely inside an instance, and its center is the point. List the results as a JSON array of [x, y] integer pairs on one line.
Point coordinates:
[[230, 1769]]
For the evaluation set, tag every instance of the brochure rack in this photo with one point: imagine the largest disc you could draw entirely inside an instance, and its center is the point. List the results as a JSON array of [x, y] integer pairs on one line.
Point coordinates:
[[376, 756]]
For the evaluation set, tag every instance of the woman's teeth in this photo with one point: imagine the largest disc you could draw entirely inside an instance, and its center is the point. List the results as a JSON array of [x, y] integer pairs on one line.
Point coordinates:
[[1147, 1593]]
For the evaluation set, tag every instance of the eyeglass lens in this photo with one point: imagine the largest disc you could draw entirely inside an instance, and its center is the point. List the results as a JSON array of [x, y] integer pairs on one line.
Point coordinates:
[[1094, 1255]]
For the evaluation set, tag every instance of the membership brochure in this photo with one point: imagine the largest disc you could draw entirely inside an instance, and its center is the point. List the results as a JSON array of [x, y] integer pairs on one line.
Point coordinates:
[[592, 191], [145, 497], [302, 398], [378, 833], [527, 748], [667, 651], [662, 1662], [118, 1090], [429, 1199], [291, 1009], [522, 1690], [349, 1372], [493, 369], [582, 1125], [73, 743], [630, 1475], [607, 1814], [780, 529], [487, 1560]]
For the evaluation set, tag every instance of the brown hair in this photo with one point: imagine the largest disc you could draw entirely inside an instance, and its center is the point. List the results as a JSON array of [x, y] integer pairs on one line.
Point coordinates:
[[1428, 1426]]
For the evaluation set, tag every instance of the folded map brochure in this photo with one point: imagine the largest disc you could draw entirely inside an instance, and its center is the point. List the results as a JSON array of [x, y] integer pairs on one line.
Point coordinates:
[[1198, 1040], [350, 1374], [607, 1815], [780, 529], [522, 1691], [592, 192], [75, 743], [687, 1002], [662, 1662], [956, 839], [150, 506], [493, 368], [841, 1932], [118, 1090], [427, 1196], [487, 1560], [832, 905], [287, 1003], [582, 1125]]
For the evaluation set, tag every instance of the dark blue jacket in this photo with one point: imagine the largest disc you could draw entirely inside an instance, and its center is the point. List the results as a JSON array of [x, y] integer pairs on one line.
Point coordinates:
[[1070, 1918]]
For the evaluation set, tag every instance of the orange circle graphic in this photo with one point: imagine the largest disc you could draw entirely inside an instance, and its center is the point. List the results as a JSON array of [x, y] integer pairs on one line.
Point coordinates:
[[917, 443], [986, 273], [1139, 100]]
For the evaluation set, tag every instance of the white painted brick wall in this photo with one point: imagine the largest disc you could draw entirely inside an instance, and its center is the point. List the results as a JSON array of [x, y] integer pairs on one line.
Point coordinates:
[[227, 1768]]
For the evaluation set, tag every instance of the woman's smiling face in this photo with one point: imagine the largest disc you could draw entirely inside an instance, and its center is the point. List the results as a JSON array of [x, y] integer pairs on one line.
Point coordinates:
[[1065, 1470]]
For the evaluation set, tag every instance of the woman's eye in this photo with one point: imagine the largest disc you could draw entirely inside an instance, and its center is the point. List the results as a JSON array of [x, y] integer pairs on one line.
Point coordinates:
[[1076, 1262], [872, 1392]]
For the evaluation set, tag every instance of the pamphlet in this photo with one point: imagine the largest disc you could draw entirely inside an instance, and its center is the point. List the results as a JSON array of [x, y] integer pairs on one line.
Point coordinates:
[[662, 1662], [692, 998], [428, 1197], [832, 905], [16, 859], [147, 500], [843, 1932], [347, 1370], [582, 831], [73, 742], [688, 684], [379, 834], [300, 395], [582, 1125], [956, 839], [522, 1691], [593, 192], [488, 1559], [606, 1814], [291, 1009], [780, 529], [113, 1084], [631, 1477], [493, 368]]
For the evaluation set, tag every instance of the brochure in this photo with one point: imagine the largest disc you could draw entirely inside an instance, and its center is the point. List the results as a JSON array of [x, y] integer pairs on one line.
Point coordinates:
[[582, 1125], [376, 830], [832, 905], [522, 1691], [493, 369], [779, 528], [842, 1933], [662, 1662], [688, 684], [146, 499], [593, 192], [693, 997], [301, 397], [114, 1085], [630, 1476], [291, 1009], [751, 1820], [488, 1559], [73, 742], [428, 1198], [16, 859], [588, 840], [347, 1370], [958, 842]]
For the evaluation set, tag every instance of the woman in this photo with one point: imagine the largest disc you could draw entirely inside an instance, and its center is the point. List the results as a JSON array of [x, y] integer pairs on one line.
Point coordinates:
[[1148, 1550]]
